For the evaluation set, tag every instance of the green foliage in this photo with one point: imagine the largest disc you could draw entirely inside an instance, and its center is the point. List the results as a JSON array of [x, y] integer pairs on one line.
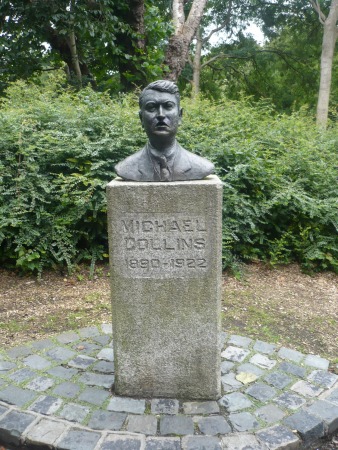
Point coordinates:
[[58, 149]]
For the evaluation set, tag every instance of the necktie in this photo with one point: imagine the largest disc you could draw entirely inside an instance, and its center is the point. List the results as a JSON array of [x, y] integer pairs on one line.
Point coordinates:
[[164, 170]]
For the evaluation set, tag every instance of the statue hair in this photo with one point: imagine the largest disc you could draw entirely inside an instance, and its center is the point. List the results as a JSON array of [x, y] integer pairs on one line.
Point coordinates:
[[161, 86]]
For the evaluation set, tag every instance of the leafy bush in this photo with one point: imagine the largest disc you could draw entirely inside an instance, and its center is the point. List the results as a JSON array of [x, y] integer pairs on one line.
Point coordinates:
[[58, 149]]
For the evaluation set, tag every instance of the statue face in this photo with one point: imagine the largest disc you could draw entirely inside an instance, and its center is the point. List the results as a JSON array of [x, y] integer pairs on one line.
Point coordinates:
[[160, 114]]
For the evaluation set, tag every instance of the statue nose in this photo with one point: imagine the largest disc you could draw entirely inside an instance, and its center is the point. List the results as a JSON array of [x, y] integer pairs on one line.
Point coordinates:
[[160, 112]]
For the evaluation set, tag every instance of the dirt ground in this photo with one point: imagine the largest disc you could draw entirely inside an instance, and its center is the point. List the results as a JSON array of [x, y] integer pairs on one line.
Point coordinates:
[[280, 305]]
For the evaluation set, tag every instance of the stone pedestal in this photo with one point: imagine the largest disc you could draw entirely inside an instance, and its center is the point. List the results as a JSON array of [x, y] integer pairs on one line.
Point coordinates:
[[165, 244]]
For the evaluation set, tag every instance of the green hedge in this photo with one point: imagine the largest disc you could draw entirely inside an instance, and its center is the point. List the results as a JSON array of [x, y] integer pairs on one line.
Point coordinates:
[[58, 149]]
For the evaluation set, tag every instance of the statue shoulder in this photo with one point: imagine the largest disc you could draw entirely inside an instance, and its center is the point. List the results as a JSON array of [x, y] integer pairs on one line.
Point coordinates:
[[128, 167], [200, 166]]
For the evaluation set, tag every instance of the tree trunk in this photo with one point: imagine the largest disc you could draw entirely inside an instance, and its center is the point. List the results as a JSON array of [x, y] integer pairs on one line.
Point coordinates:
[[328, 47], [75, 58], [197, 65], [178, 47]]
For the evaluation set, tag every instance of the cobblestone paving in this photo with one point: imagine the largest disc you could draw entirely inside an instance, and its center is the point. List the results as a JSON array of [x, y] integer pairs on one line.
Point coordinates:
[[58, 393]]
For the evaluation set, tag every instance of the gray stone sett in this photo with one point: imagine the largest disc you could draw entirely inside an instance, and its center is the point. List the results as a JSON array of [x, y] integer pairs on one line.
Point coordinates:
[[40, 384], [3, 410], [235, 402], [23, 375], [270, 413], [333, 397], [60, 354], [291, 355], [242, 442], [322, 378], [89, 332], [326, 411], [46, 404], [163, 443], [104, 367], [213, 425], [44, 344], [76, 439], [229, 379], [67, 390], [81, 362], [107, 354], [278, 437], [68, 338], [176, 425], [145, 424], [292, 369], [263, 361], [201, 443], [261, 392], [239, 341], [250, 368], [317, 362], [123, 442], [235, 354], [226, 366], [308, 426], [74, 412], [264, 347], [290, 401], [5, 366], [87, 348], [125, 404], [210, 407], [102, 340], [101, 420], [94, 396], [37, 362], [306, 389], [97, 379], [17, 396], [164, 406], [243, 421], [62, 372], [17, 352], [107, 328], [46, 432], [13, 425], [278, 380]]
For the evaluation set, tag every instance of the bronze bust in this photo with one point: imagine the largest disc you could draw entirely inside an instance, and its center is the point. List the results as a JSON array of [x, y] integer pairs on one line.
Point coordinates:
[[162, 158]]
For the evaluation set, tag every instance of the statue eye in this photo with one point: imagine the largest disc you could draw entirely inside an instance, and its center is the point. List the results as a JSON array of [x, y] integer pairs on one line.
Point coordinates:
[[150, 107], [169, 105]]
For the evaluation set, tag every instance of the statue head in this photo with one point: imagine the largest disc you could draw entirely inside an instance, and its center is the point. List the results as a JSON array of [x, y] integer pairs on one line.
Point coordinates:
[[160, 111]]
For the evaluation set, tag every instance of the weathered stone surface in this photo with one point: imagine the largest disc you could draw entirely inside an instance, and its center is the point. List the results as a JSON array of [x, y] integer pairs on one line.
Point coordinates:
[[201, 443], [309, 426], [46, 405], [62, 372], [104, 367], [278, 437], [226, 366], [43, 344], [79, 439], [235, 354], [163, 443], [235, 401], [129, 405], [326, 411], [239, 341], [101, 420], [13, 424], [323, 378], [3, 410], [165, 254], [145, 424], [293, 369], [81, 362], [176, 425], [269, 413], [16, 396], [22, 375], [37, 362], [261, 392], [60, 354], [164, 406], [307, 389], [5, 366], [107, 328], [290, 400], [213, 425], [250, 368], [242, 442], [107, 354], [246, 377], [94, 396], [333, 396], [229, 379], [40, 384], [88, 332], [210, 407], [67, 390], [243, 421], [21, 350], [97, 379], [263, 361], [87, 348], [291, 355], [264, 347], [46, 432], [317, 362], [68, 337], [278, 379], [74, 412], [123, 442], [103, 340]]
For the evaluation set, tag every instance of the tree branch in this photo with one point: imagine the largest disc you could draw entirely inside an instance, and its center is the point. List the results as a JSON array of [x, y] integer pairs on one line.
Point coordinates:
[[222, 25], [316, 6]]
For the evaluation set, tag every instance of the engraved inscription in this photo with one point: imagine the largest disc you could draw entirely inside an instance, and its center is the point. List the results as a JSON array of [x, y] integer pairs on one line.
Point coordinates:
[[161, 246]]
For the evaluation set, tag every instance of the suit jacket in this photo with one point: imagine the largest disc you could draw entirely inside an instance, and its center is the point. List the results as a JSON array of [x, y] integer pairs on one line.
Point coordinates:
[[187, 166]]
